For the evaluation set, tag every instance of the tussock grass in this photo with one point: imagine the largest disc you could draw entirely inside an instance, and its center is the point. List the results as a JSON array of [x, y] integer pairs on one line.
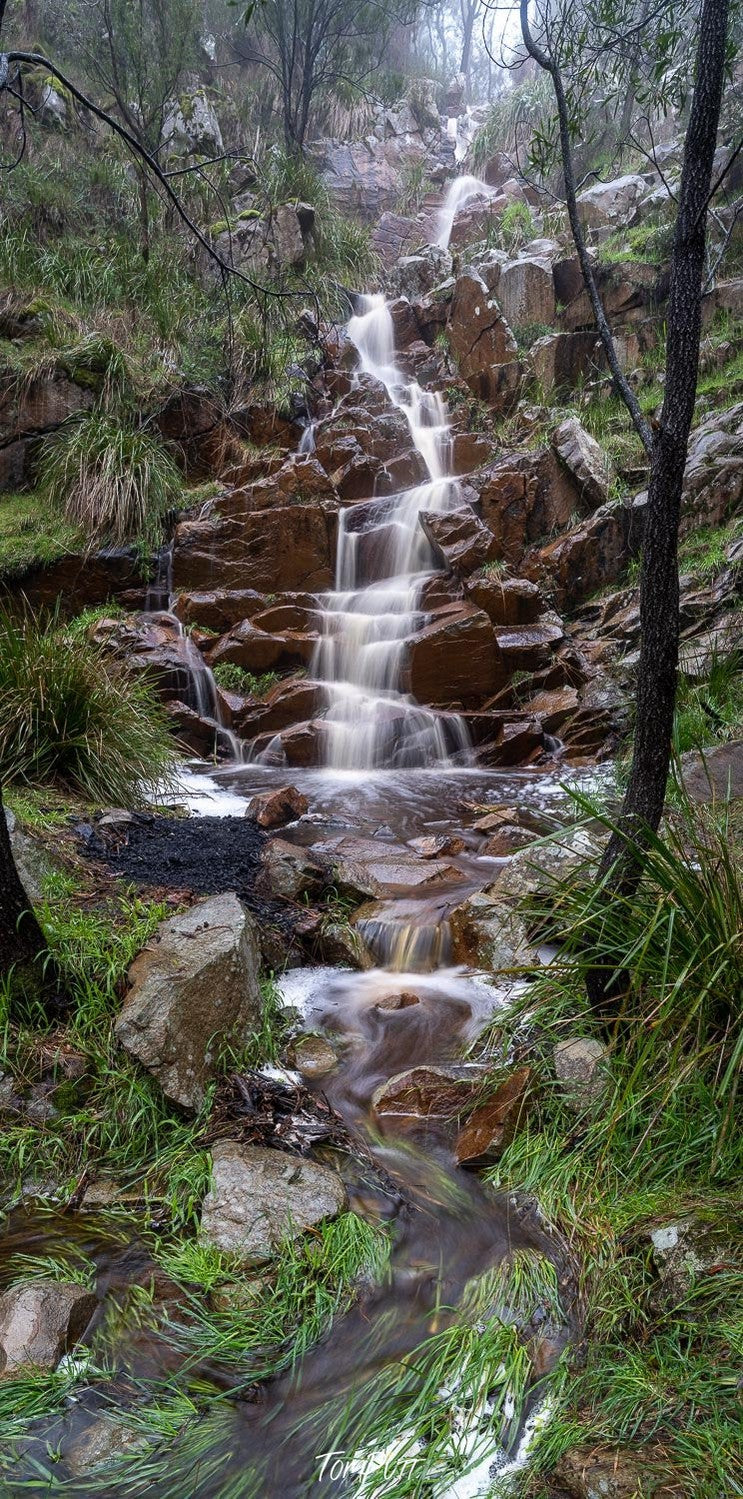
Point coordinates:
[[69, 716], [238, 679], [113, 482]]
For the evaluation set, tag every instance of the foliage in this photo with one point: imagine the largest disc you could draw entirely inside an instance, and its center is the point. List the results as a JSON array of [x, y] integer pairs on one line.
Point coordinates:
[[69, 715], [710, 711], [238, 679], [32, 534], [112, 482], [516, 225], [510, 119]]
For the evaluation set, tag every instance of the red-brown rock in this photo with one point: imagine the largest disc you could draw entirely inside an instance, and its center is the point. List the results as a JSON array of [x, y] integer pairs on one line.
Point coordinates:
[[492, 1126], [271, 809], [459, 539], [455, 658], [482, 343]]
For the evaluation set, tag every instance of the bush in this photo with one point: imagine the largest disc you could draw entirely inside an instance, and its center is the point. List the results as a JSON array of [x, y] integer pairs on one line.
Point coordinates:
[[67, 715], [116, 483]]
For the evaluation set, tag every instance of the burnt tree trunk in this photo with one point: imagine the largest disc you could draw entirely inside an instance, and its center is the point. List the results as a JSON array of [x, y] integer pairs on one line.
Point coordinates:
[[22, 942], [659, 585]]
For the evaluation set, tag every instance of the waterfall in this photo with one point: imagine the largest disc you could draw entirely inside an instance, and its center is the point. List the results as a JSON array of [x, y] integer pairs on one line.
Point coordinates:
[[374, 609], [457, 194]]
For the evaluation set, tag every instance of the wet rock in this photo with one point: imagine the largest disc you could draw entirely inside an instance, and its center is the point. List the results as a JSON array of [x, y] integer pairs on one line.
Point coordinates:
[[259, 1197], [526, 292], [338, 942], [200, 735], [687, 1249], [401, 1000], [437, 845], [459, 538], [593, 555], [437, 1095], [313, 1056], [288, 548], [102, 1442], [482, 343], [534, 870], [492, 1126], [506, 601], [612, 204], [368, 868], [395, 235], [290, 229], [291, 871], [580, 1067], [610, 1473], [270, 809], [258, 651], [195, 985], [38, 405], [715, 773], [516, 742], [40, 1320], [507, 840], [584, 459], [487, 933], [553, 707], [416, 275], [454, 658]]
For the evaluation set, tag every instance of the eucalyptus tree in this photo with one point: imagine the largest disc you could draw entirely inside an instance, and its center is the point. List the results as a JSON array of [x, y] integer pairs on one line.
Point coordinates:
[[313, 48], [675, 57]]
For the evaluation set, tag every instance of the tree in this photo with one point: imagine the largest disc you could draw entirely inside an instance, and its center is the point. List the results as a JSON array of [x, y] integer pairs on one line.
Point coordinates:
[[312, 47], [644, 799], [138, 51]]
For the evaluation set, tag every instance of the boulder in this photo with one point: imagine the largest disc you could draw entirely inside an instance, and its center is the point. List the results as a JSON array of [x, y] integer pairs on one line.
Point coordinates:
[[563, 360], [482, 342], [191, 125], [535, 870], [612, 1473], [506, 601], [258, 651], [526, 292], [459, 539], [313, 1056], [376, 867], [40, 1320], [714, 774], [454, 659], [288, 548], [580, 1068], [291, 871], [438, 845], [713, 478], [394, 236], [593, 555], [259, 1197], [290, 228], [487, 933], [273, 808], [414, 276], [194, 986], [585, 460], [612, 205], [30, 857], [438, 1095]]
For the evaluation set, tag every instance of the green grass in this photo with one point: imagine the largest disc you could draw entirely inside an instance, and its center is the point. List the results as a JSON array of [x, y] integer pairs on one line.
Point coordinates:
[[236, 678], [33, 534], [111, 482], [71, 717], [711, 711], [704, 551]]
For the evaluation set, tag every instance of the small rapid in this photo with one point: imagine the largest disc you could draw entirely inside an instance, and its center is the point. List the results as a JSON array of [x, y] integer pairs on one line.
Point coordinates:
[[459, 192], [369, 617]]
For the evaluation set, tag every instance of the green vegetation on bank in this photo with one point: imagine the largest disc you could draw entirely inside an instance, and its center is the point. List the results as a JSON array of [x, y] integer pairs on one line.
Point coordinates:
[[71, 716], [653, 1370]]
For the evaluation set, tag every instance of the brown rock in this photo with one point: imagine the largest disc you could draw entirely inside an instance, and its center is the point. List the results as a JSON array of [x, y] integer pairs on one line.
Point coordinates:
[[437, 845], [401, 1000], [454, 658], [435, 1094], [272, 808], [585, 460], [482, 343], [561, 360], [526, 292], [291, 871], [40, 1320], [552, 708], [290, 547], [506, 840], [459, 539], [258, 652], [491, 1127], [506, 601]]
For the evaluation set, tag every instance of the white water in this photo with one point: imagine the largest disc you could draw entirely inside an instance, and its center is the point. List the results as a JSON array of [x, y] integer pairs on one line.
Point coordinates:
[[374, 609], [458, 193]]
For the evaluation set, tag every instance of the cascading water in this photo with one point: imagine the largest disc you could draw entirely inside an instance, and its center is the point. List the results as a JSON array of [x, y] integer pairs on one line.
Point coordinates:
[[367, 621], [458, 193]]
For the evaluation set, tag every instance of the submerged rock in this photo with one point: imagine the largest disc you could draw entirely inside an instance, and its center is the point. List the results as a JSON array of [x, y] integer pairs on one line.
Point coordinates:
[[259, 1196], [40, 1320], [193, 987]]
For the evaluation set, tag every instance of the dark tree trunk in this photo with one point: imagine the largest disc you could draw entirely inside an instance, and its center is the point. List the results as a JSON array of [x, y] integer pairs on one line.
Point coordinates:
[[22, 942]]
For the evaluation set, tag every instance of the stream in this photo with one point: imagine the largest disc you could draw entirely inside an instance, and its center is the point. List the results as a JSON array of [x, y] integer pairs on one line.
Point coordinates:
[[393, 771]]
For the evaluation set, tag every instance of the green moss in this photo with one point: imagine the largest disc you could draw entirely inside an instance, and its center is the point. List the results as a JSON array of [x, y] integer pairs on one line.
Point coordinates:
[[33, 534]]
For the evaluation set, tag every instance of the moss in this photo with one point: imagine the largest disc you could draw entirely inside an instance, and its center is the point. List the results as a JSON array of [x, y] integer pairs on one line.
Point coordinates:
[[32, 534]]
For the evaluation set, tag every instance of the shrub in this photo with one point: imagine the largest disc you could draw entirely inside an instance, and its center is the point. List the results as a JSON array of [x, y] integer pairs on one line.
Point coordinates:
[[67, 715], [236, 678], [116, 483]]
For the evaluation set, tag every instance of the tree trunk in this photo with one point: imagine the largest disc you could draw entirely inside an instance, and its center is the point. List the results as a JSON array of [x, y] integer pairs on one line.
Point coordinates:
[[22, 942], [659, 586]]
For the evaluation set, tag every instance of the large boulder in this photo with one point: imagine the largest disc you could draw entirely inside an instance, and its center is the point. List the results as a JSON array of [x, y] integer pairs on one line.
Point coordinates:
[[416, 275], [194, 986], [191, 125], [259, 1197], [506, 601], [584, 459], [482, 342], [40, 1320], [561, 360], [714, 774], [454, 659], [526, 292], [459, 539], [593, 555], [290, 547], [614, 204], [713, 479]]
